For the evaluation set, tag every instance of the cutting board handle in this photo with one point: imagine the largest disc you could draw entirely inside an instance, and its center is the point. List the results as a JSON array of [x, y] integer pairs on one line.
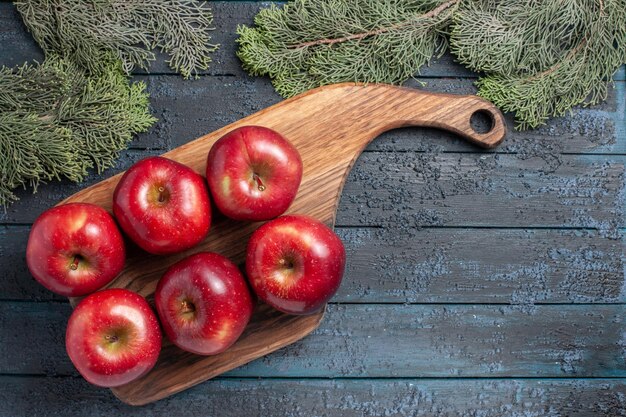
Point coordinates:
[[411, 107]]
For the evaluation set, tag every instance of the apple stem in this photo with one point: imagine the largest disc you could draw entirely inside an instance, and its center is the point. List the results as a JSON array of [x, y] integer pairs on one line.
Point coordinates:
[[75, 262], [111, 338], [259, 183], [187, 307], [161, 196], [286, 263]]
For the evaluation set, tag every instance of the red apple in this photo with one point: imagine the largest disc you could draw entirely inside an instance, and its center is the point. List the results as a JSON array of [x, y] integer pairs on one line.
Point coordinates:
[[204, 303], [113, 337], [74, 249], [253, 173], [295, 263], [162, 205]]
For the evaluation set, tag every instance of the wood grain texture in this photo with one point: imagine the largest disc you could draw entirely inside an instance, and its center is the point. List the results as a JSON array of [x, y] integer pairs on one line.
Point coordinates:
[[449, 189], [330, 126], [399, 264], [434, 265], [188, 109], [424, 189], [183, 116], [384, 341], [73, 397]]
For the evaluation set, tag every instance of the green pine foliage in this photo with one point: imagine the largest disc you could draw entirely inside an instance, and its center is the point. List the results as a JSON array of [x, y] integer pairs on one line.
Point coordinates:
[[85, 31], [538, 58], [78, 110], [307, 44], [57, 121], [541, 58]]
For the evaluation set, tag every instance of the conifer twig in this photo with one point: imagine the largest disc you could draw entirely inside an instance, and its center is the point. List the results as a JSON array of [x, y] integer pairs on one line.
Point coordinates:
[[57, 121], [544, 58], [86, 30], [432, 13], [306, 43]]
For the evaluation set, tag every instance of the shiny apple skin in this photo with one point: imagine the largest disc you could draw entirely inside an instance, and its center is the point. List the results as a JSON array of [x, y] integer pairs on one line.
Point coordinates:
[[74, 249], [204, 303], [295, 263], [168, 221], [253, 173], [113, 337]]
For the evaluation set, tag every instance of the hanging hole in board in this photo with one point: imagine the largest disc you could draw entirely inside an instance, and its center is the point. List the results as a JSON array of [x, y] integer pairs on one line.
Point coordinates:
[[482, 121]]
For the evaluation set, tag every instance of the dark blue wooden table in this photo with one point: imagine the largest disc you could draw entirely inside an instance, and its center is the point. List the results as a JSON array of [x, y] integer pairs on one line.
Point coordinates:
[[478, 283]]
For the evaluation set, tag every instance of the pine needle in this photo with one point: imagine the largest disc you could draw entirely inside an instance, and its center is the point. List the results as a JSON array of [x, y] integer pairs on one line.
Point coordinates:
[[85, 31], [57, 121]]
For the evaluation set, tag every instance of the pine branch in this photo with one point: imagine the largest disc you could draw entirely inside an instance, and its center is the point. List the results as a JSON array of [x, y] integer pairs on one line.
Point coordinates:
[[306, 44], [541, 58], [87, 30], [433, 13], [57, 121]]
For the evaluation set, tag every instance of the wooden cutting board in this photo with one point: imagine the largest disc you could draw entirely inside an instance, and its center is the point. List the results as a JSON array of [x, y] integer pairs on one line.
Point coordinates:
[[330, 126]]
